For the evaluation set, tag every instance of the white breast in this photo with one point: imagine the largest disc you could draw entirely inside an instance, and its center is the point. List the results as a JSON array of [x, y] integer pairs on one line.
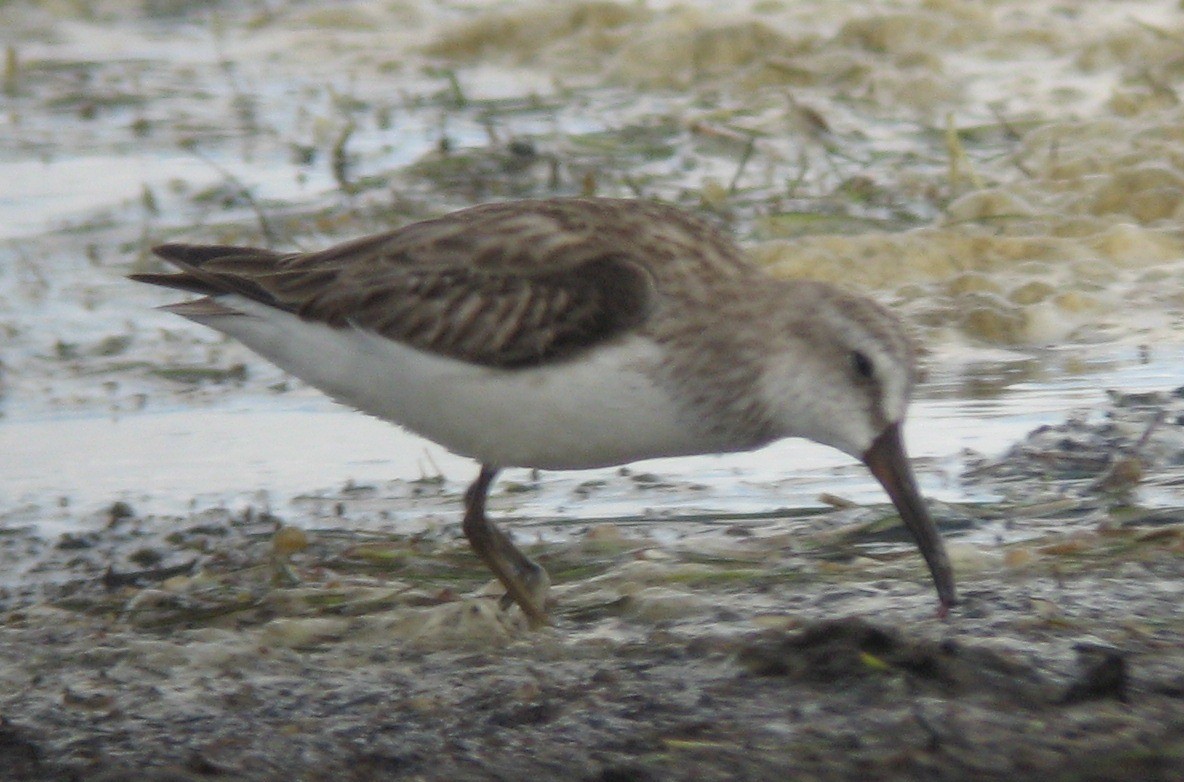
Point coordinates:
[[598, 409]]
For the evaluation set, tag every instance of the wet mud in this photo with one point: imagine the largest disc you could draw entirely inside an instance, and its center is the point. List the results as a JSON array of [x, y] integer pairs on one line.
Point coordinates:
[[1009, 178], [233, 646]]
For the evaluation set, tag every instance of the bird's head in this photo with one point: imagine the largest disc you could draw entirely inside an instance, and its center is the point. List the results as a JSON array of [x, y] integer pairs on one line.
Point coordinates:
[[843, 377]]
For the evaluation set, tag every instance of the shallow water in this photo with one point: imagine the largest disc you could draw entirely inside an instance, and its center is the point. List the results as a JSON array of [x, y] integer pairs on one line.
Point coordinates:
[[817, 130], [1009, 176], [265, 451]]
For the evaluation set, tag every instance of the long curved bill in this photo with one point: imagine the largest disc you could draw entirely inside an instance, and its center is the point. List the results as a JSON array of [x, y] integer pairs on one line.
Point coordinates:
[[887, 461]]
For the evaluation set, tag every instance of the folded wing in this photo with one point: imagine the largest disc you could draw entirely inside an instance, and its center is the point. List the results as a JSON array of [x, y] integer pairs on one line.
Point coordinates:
[[457, 288]]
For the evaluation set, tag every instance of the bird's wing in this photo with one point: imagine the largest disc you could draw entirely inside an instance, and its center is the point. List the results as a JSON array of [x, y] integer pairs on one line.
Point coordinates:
[[491, 285]]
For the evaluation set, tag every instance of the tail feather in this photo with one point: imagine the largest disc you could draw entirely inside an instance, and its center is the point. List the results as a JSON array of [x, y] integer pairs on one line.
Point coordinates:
[[200, 310], [181, 282], [193, 278], [198, 254]]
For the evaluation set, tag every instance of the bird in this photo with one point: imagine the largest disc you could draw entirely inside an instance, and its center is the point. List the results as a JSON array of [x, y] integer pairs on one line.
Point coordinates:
[[572, 333]]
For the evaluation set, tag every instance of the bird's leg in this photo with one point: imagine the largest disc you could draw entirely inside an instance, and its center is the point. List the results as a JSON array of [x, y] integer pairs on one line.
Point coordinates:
[[525, 581]]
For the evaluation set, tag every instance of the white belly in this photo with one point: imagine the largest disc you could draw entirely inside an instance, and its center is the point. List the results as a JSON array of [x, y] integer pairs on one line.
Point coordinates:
[[599, 409]]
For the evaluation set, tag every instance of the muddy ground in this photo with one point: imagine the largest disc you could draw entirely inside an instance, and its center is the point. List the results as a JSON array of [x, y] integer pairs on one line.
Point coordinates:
[[1032, 148], [231, 646]]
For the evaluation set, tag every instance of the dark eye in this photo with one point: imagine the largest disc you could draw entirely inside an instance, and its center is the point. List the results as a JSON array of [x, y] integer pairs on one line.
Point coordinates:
[[863, 365]]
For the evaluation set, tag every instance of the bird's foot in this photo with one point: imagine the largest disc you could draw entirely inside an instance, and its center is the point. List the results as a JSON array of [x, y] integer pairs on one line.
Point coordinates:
[[530, 591], [525, 581]]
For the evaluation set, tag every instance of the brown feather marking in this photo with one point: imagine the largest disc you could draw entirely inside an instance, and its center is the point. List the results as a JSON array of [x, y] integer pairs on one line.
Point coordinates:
[[507, 285]]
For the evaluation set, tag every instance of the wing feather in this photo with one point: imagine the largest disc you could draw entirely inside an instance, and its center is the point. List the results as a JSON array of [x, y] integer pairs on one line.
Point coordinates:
[[491, 285]]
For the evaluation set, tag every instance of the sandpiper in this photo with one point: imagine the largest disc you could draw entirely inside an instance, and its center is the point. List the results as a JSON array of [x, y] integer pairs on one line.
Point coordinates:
[[570, 334]]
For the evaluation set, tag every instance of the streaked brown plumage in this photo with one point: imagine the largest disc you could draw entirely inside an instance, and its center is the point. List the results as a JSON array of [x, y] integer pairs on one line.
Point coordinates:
[[569, 333]]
